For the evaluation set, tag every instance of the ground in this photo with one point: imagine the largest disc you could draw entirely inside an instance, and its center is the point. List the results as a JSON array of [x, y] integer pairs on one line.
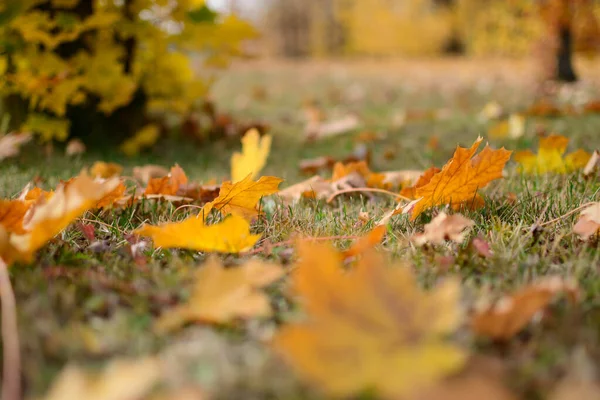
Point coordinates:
[[82, 305]]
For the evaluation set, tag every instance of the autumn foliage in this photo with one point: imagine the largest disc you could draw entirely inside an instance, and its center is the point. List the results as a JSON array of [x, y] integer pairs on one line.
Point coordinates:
[[92, 67]]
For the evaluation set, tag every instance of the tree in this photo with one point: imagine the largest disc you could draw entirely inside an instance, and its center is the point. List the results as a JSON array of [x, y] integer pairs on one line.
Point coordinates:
[[108, 67]]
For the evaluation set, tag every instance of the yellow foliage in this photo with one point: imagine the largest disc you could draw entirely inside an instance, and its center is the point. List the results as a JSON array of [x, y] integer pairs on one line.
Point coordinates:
[[102, 66]]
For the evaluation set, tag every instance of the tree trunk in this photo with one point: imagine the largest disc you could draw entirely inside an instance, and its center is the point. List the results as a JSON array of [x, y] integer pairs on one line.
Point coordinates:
[[564, 57]]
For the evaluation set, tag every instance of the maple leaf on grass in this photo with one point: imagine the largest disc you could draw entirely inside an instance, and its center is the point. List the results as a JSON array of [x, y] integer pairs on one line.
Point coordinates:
[[370, 327], [168, 185], [367, 242], [221, 294], [458, 181], [444, 227], [589, 222], [12, 213], [47, 219], [503, 319], [229, 236], [242, 198], [253, 158], [551, 158]]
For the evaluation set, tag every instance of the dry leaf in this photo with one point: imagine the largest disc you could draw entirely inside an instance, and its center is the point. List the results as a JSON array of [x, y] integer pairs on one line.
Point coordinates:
[[242, 198], [113, 197], [592, 166], [458, 181], [370, 327], [482, 247], [105, 170], [550, 157], [589, 222], [314, 165], [168, 185], [253, 158], [120, 380], [315, 187], [424, 179], [508, 316], [512, 128], [316, 131], [75, 147], [367, 242], [12, 213], [442, 228], [69, 201], [10, 144], [230, 236], [222, 294], [147, 172]]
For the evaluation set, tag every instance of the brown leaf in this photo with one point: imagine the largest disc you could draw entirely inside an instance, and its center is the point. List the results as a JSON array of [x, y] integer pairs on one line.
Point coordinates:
[[506, 317], [147, 172], [442, 228], [168, 185], [589, 222]]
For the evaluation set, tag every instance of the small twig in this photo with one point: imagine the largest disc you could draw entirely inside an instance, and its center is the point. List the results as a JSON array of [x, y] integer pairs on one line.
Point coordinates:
[[290, 242], [578, 209], [373, 190], [11, 369]]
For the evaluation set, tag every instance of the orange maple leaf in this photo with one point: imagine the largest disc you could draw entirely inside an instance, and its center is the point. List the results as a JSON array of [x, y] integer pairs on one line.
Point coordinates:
[[458, 181], [423, 180], [12, 213], [367, 242], [222, 294], [363, 323], [48, 218], [242, 198], [168, 185], [112, 197]]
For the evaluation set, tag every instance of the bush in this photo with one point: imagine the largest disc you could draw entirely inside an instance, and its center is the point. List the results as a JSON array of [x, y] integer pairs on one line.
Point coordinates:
[[106, 68]]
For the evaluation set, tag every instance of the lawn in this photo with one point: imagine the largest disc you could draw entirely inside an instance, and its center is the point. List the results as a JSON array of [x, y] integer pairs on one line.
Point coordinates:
[[87, 304]]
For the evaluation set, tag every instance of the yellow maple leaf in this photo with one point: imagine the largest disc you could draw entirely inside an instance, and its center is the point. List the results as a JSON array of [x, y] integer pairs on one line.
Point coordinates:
[[222, 294], [102, 169], [230, 236], [47, 219], [551, 158], [458, 181], [369, 328], [253, 158], [242, 198]]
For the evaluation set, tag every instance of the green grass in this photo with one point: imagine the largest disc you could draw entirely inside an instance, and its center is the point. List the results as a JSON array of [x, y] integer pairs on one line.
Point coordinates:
[[77, 305]]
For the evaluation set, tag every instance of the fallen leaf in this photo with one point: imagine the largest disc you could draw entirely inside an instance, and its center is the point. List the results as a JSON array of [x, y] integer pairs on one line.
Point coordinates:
[[369, 321], [253, 158], [105, 170], [147, 172], [589, 222], [230, 236], [482, 247], [221, 295], [550, 157], [367, 242], [242, 198], [114, 196], [69, 201], [503, 319], [10, 144], [120, 380], [317, 131], [168, 185], [12, 213], [442, 228], [592, 166], [458, 181], [75, 147], [314, 165], [512, 128], [424, 179], [315, 187]]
